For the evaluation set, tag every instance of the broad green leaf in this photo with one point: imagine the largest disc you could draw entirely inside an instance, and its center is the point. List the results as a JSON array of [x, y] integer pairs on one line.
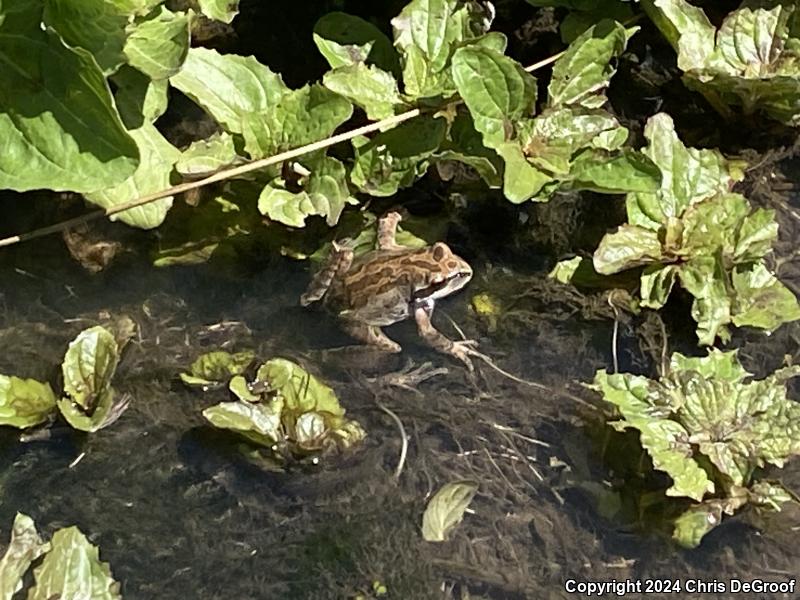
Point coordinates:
[[369, 87], [446, 509], [89, 365], [157, 45], [760, 299], [98, 26], [58, 123], [579, 271], [579, 20], [656, 285], [104, 412], [300, 391], [686, 27], [396, 158], [229, 87], [204, 157], [72, 569], [259, 423], [241, 389], [521, 179], [152, 175], [497, 91], [139, 99], [724, 366], [626, 171], [24, 547], [769, 495], [346, 40], [427, 32], [25, 402], [573, 128], [325, 194], [704, 278], [709, 226], [303, 116], [695, 523], [219, 10], [217, 367], [585, 70], [755, 236], [628, 247]]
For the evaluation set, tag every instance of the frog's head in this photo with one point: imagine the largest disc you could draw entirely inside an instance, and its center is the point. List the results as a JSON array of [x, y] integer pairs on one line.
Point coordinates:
[[447, 273]]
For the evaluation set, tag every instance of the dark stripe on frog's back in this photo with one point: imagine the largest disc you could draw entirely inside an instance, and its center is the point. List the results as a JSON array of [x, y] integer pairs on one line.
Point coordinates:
[[396, 272]]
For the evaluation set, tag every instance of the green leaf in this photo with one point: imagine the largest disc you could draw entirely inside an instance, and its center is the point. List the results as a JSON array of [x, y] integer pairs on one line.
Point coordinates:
[[465, 144], [626, 171], [25, 402], [755, 236], [98, 26], [158, 45], [346, 40], [581, 19], [521, 180], [152, 175], [103, 414], [396, 158], [139, 99], [229, 87], [695, 523], [686, 27], [689, 176], [709, 226], [446, 509], [25, 547], [724, 366], [259, 423], [760, 299], [628, 247], [427, 32], [371, 88], [704, 278], [656, 285], [582, 74], [219, 10], [325, 194], [303, 116], [204, 157], [89, 365], [300, 391], [496, 89], [215, 368], [72, 569], [58, 123]]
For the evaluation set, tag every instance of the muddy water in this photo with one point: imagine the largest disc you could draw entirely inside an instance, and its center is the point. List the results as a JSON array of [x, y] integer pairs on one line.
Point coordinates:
[[178, 513]]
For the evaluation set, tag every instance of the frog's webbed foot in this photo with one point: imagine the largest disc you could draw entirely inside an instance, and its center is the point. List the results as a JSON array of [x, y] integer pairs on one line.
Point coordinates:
[[371, 335], [339, 261], [462, 349], [410, 376], [387, 231]]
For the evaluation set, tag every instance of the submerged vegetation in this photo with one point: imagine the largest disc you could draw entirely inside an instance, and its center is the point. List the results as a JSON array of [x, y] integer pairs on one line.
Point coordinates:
[[648, 223]]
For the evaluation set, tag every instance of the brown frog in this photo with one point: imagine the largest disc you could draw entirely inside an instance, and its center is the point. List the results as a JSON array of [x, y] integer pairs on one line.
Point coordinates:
[[390, 284]]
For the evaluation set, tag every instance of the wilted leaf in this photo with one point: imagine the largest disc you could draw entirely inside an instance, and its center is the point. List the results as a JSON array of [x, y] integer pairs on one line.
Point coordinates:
[[215, 368], [24, 547], [25, 402], [152, 175], [72, 569], [58, 123], [446, 509]]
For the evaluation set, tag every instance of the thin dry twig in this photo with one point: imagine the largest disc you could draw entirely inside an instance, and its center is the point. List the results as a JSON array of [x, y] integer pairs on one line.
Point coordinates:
[[404, 444]]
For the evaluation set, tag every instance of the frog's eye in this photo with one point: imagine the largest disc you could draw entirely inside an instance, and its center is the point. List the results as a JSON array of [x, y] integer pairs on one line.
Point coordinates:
[[439, 251]]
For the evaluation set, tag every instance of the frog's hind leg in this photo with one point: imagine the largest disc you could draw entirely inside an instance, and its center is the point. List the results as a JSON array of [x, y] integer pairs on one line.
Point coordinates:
[[387, 231], [338, 263], [371, 335]]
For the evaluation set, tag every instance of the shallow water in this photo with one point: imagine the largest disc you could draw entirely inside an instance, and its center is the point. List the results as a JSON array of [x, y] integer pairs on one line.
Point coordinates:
[[178, 513]]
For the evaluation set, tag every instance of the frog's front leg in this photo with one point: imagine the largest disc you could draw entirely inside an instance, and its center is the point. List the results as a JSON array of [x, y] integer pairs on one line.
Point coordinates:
[[370, 335], [437, 340], [387, 231], [339, 261]]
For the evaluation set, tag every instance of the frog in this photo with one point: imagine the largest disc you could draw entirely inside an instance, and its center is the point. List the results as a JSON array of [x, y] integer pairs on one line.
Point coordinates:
[[390, 284]]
